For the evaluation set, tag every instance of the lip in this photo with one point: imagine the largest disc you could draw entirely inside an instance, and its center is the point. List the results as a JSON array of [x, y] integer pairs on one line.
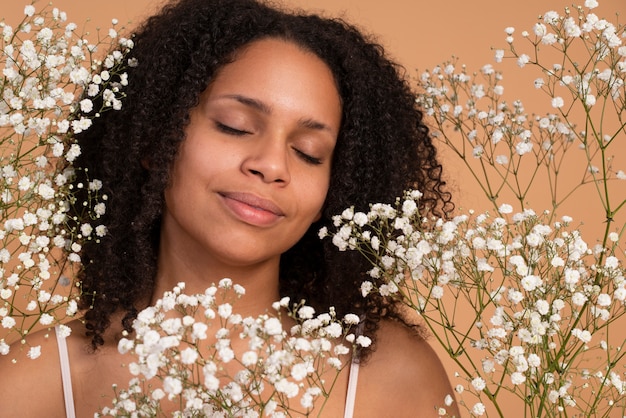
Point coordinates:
[[252, 209]]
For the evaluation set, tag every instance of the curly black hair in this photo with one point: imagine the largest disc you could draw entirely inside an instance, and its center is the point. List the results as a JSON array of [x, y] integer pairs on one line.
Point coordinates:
[[383, 147]]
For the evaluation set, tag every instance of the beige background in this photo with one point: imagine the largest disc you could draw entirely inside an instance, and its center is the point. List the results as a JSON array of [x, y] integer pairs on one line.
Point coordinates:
[[418, 34]]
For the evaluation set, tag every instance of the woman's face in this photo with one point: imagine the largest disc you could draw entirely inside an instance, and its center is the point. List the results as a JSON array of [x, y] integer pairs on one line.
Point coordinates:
[[253, 171]]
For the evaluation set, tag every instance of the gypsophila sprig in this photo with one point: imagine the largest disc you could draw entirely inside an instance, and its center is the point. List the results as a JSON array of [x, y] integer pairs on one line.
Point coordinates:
[[579, 61], [544, 301], [196, 356], [51, 81]]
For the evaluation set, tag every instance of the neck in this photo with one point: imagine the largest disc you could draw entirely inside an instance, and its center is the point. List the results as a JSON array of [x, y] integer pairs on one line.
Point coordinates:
[[200, 271]]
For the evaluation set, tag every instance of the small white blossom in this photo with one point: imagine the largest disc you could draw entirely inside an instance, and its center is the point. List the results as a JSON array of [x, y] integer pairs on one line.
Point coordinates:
[[557, 102], [505, 208], [478, 409], [363, 341], [273, 326], [517, 378], [479, 384], [583, 335], [86, 105], [34, 352]]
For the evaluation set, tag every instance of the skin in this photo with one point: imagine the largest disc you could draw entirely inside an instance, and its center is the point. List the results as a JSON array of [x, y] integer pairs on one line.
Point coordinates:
[[262, 135], [250, 178]]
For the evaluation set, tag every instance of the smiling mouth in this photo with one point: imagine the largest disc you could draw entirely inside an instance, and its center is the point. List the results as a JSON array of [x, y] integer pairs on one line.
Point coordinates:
[[252, 209]]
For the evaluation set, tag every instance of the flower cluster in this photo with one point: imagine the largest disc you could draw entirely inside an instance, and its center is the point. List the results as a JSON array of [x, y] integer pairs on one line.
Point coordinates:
[[581, 67], [195, 356], [544, 305], [543, 299], [51, 87]]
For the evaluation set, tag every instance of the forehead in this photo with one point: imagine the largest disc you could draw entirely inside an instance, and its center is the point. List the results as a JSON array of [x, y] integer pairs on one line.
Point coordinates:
[[275, 55], [282, 75]]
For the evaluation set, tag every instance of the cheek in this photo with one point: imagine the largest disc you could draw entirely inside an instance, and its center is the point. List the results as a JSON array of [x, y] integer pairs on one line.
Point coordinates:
[[317, 192]]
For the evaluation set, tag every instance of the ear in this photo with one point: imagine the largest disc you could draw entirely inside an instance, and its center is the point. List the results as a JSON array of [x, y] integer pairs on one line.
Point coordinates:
[[145, 163]]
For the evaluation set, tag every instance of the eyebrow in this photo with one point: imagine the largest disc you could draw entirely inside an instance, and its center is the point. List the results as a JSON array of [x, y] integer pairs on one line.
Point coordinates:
[[266, 109]]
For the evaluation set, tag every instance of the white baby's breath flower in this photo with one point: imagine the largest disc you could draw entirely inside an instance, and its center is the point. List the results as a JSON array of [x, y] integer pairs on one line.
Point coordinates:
[[363, 341], [46, 319], [478, 383], [579, 299], [523, 147], [125, 345], [290, 389], [45, 191], [505, 208], [488, 366], [351, 319], [604, 299], [86, 105], [34, 352], [360, 218], [502, 159], [8, 321], [620, 294], [582, 335], [478, 409], [522, 60], [86, 229], [188, 355], [499, 55], [306, 312], [199, 331], [101, 230], [517, 378], [172, 385], [366, 288], [557, 102], [437, 292], [73, 152], [272, 326], [530, 282], [225, 310], [249, 358], [226, 354], [612, 262], [300, 371]]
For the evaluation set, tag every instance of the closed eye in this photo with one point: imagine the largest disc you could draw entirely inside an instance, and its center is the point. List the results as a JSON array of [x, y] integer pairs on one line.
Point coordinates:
[[308, 158], [230, 131]]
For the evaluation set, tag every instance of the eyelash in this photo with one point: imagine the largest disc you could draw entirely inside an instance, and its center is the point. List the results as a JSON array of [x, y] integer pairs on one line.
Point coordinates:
[[237, 132], [308, 158], [231, 131]]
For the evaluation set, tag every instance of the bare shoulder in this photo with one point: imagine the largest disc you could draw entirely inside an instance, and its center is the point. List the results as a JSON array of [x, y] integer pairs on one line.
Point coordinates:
[[31, 387], [405, 375]]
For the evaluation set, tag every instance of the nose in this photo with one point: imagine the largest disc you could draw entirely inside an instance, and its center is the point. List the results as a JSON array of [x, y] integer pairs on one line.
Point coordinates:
[[268, 160]]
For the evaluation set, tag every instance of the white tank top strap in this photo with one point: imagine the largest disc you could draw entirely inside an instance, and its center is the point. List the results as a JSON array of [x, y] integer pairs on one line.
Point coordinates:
[[66, 376], [353, 378], [351, 395]]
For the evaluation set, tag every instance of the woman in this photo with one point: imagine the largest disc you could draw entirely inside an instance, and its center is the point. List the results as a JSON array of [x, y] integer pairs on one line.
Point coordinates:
[[244, 130]]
